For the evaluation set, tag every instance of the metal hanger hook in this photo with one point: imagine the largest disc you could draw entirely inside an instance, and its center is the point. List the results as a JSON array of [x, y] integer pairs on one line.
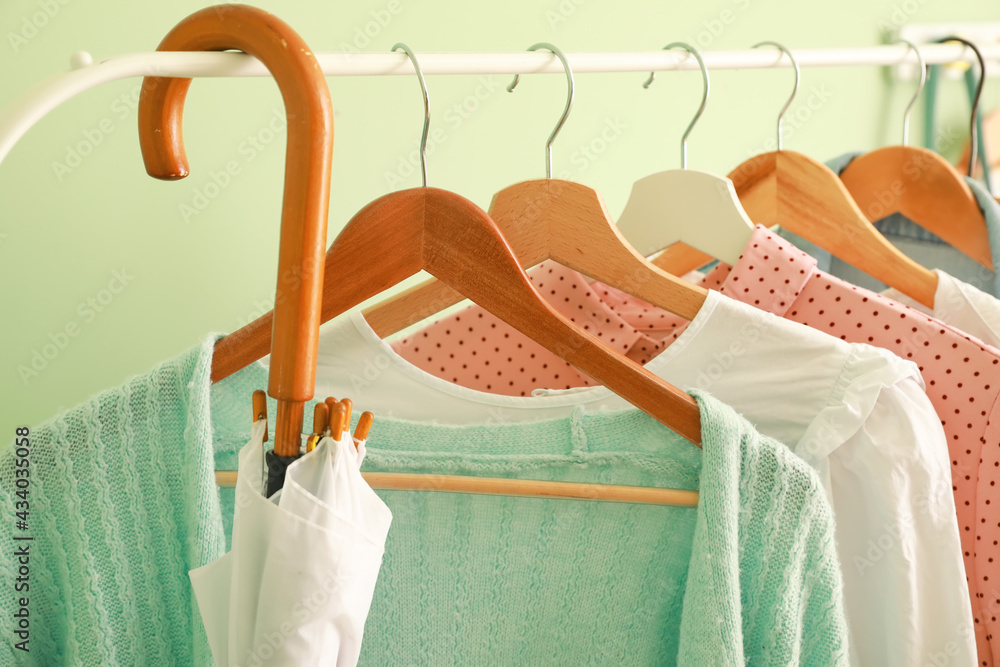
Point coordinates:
[[571, 90], [795, 90], [973, 134], [704, 95], [427, 107], [916, 95]]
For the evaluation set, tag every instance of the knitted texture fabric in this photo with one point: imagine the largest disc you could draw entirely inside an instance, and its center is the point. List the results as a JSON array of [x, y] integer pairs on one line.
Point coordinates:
[[764, 583], [123, 505], [751, 576]]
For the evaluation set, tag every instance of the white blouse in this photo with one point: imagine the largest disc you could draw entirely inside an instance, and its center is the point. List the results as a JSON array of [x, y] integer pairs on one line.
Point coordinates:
[[858, 414], [961, 306]]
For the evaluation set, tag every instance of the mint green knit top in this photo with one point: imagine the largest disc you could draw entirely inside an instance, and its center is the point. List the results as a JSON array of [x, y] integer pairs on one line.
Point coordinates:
[[123, 504]]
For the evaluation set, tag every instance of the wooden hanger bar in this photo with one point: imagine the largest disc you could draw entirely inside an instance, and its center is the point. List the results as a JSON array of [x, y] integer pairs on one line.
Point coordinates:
[[521, 488], [306, 200], [466, 483]]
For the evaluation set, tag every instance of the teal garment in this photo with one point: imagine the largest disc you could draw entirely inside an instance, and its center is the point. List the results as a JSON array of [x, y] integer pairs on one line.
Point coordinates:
[[917, 243], [122, 504], [750, 576]]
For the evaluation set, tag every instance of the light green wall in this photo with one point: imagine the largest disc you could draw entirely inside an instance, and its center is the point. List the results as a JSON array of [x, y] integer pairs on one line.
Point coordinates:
[[65, 233]]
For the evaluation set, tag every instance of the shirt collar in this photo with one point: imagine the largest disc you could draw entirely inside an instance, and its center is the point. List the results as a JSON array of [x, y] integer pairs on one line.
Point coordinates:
[[770, 274], [570, 293]]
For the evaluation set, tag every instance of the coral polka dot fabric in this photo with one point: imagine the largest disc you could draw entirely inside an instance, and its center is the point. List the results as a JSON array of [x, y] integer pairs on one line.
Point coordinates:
[[962, 374], [474, 349]]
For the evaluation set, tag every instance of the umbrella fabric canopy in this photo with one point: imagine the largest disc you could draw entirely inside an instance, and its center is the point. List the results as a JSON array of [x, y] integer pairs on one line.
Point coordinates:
[[296, 587]]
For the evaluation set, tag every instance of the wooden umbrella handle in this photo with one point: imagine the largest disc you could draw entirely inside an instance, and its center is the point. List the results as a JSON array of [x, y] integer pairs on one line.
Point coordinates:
[[304, 211]]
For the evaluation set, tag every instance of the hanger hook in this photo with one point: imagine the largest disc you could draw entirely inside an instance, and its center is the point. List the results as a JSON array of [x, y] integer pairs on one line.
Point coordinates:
[[916, 95], [795, 90], [571, 89], [704, 95], [973, 134], [399, 46]]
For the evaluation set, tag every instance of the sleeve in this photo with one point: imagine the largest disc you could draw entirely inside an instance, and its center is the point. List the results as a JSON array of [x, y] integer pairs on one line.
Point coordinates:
[[988, 531], [890, 483]]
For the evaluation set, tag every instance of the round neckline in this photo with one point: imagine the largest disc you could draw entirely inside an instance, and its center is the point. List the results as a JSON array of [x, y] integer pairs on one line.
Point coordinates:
[[575, 396]]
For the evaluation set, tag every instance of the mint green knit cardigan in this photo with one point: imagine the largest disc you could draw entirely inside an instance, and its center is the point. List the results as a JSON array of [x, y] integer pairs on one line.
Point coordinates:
[[123, 504]]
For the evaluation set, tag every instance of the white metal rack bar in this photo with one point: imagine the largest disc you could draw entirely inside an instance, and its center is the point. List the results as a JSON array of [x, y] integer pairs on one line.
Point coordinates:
[[18, 117]]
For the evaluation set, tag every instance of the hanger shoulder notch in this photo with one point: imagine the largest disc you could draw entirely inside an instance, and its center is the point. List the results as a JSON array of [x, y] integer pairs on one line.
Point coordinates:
[[806, 198], [464, 248], [926, 189], [570, 223], [695, 207]]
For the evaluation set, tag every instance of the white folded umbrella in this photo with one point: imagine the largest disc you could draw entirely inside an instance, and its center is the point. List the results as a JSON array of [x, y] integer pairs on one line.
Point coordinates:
[[296, 586]]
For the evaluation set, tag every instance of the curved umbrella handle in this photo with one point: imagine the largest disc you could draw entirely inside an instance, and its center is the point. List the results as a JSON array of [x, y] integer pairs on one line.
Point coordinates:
[[305, 207]]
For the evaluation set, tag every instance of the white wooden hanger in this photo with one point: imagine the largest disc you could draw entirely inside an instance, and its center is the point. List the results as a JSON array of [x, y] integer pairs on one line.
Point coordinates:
[[695, 207]]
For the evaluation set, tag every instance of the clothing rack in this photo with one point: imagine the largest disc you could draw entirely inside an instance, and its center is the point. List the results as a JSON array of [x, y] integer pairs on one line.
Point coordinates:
[[32, 105]]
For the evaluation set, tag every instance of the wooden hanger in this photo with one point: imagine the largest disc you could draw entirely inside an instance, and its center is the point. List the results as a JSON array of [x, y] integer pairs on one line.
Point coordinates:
[[305, 206], [553, 219], [389, 240], [806, 198], [332, 418], [520, 488], [451, 238], [700, 209], [454, 240], [922, 186]]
